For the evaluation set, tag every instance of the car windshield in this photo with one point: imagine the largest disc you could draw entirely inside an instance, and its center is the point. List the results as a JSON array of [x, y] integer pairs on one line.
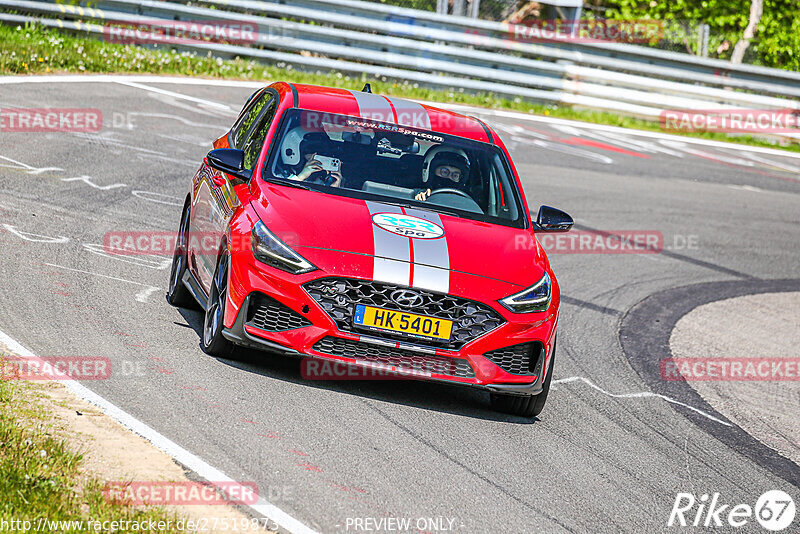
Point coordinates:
[[363, 158]]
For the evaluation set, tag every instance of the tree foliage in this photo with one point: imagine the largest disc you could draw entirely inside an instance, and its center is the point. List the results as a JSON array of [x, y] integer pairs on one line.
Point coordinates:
[[776, 43]]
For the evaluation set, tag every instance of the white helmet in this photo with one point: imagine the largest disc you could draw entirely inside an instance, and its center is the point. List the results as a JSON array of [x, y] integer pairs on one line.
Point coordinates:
[[290, 147], [458, 156]]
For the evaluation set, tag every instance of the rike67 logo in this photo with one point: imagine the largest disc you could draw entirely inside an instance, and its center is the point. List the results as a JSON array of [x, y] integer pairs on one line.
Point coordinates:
[[774, 511]]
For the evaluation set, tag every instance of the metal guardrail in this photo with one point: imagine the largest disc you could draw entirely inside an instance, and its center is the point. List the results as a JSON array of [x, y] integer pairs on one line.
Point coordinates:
[[350, 40], [475, 29]]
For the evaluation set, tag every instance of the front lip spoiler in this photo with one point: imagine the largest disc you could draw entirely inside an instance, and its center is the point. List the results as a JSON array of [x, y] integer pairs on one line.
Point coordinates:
[[523, 390], [532, 388], [238, 335]]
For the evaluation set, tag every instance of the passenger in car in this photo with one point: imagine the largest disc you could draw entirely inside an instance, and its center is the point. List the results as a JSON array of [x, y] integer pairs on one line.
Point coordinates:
[[307, 148]]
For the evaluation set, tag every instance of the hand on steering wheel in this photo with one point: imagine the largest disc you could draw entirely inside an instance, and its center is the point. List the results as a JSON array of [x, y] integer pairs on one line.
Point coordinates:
[[337, 178], [423, 196]]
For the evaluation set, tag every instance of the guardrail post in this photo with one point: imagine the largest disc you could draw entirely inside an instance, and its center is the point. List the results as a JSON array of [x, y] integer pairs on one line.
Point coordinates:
[[474, 6], [441, 6]]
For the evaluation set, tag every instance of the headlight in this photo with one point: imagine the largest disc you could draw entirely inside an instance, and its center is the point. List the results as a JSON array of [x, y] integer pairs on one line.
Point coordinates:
[[270, 250], [534, 299]]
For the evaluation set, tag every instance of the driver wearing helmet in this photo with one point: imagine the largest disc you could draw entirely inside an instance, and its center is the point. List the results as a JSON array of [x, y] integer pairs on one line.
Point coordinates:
[[443, 168], [300, 146]]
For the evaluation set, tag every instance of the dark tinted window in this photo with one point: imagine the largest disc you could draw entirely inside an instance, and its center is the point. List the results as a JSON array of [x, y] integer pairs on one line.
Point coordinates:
[[248, 117], [255, 137]]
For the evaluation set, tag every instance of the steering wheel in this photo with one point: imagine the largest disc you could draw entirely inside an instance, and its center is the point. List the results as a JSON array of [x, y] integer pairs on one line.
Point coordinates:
[[446, 190], [467, 203]]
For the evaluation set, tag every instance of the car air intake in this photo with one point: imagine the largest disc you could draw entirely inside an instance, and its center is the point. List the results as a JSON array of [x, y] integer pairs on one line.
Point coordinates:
[[268, 314], [522, 359]]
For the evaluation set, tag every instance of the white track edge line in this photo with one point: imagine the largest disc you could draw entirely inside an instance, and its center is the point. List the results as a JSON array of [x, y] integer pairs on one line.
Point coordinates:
[[181, 455], [173, 94], [639, 395]]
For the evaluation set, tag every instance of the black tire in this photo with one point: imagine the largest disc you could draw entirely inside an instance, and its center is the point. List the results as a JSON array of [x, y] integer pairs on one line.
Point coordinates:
[[177, 294], [525, 405], [213, 342]]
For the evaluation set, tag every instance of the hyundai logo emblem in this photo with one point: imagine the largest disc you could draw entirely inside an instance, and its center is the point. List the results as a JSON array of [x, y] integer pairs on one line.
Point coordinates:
[[406, 298]]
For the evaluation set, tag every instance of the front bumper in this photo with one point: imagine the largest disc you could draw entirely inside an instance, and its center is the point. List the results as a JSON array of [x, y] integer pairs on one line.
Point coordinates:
[[319, 337], [238, 335]]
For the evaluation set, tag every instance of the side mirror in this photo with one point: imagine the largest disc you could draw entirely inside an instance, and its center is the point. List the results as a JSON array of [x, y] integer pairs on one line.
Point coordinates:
[[553, 220], [230, 161]]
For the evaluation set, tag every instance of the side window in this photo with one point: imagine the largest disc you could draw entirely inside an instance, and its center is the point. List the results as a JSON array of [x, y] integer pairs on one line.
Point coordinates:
[[252, 108], [255, 137]]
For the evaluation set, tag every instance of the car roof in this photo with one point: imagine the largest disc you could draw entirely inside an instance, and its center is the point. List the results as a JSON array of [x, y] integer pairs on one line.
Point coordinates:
[[391, 109]]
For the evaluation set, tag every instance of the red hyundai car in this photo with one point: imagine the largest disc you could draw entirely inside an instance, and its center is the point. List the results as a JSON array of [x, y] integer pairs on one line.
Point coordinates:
[[375, 232]]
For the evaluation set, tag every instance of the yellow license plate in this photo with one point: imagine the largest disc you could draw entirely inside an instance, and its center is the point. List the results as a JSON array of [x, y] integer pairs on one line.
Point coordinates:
[[407, 323]]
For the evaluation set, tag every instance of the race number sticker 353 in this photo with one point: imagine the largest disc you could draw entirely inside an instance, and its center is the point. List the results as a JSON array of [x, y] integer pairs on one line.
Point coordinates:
[[408, 226]]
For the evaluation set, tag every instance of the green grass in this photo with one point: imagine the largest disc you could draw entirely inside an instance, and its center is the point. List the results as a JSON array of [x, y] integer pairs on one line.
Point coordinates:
[[40, 477], [37, 50]]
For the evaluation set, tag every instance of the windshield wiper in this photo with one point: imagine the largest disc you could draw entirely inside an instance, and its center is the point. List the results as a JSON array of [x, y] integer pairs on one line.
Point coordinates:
[[439, 208], [290, 183]]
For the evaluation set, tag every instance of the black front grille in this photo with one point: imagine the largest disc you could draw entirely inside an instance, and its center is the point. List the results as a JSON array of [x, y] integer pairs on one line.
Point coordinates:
[[519, 359], [339, 296], [268, 314], [400, 358]]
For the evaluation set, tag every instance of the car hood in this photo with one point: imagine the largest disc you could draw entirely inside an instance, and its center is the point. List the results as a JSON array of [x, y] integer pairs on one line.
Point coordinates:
[[318, 224]]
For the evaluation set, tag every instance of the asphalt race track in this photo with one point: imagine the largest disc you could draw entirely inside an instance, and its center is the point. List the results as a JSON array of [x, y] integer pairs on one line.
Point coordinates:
[[606, 455]]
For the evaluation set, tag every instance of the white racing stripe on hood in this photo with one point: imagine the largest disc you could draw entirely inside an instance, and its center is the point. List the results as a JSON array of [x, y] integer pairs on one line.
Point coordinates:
[[410, 113], [373, 107], [392, 261], [431, 257], [379, 108]]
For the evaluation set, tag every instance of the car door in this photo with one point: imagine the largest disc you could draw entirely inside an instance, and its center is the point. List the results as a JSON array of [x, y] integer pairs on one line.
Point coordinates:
[[215, 198]]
